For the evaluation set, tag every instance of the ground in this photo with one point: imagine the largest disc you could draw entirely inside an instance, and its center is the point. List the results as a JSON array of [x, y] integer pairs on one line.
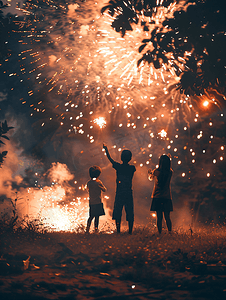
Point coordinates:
[[181, 265]]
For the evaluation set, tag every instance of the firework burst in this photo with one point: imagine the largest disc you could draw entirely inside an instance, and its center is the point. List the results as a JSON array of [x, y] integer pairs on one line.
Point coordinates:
[[78, 67]]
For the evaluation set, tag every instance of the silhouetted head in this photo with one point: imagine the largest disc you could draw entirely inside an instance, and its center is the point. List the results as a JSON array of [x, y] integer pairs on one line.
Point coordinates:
[[94, 171], [164, 163], [126, 156]]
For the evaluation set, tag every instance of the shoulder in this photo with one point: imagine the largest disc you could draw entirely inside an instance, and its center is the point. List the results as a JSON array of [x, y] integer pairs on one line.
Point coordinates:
[[89, 183], [133, 168], [99, 182], [93, 182], [156, 172], [116, 165], [100, 185]]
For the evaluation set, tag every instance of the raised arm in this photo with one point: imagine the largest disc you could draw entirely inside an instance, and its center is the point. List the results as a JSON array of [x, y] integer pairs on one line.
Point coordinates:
[[108, 154]]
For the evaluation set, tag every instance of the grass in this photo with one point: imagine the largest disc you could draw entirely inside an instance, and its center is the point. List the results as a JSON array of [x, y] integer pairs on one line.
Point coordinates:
[[166, 261], [206, 244]]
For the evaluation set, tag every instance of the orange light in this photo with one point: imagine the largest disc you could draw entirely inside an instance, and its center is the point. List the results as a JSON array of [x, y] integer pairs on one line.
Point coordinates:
[[101, 122], [205, 103], [163, 133]]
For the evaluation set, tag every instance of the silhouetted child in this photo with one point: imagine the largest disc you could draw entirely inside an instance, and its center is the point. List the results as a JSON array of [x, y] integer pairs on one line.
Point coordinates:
[[95, 186], [124, 193], [161, 195]]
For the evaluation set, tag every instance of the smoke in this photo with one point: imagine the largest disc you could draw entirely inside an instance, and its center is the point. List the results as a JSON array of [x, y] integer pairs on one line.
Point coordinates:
[[71, 10], [60, 173], [13, 7], [3, 96], [52, 59], [11, 177], [182, 218]]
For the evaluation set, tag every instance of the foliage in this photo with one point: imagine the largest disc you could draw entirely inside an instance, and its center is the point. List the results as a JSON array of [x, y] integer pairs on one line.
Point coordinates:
[[129, 12], [3, 130], [4, 22], [10, 222], [192, 42], [8, 23]]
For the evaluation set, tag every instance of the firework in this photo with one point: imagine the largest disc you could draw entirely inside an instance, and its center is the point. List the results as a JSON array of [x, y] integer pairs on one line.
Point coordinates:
[[163, 133], [101, 122], [46, 205]]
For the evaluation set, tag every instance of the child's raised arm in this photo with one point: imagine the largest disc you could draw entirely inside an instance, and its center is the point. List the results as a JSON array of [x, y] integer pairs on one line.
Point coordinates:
[[108, 154]]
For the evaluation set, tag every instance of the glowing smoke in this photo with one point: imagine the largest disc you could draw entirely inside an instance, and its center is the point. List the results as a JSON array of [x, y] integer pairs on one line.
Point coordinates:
[[60, 173]]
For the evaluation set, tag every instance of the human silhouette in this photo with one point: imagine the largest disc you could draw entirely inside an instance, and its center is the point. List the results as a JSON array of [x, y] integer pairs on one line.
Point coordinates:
[[95, 186], [124, 192], [161, 195]]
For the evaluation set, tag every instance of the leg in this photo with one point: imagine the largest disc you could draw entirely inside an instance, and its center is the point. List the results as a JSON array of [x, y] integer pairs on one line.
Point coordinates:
[[168, 221], [159, 220], [129, 212], [130, 227], [118, 225], [129, 216], [89, 224], [117, 212], [96, 223]]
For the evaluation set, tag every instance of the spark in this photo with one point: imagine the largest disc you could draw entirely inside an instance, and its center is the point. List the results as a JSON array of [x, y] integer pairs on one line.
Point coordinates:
[[101, 122], [205, 103], [163, 133], [46, 204]]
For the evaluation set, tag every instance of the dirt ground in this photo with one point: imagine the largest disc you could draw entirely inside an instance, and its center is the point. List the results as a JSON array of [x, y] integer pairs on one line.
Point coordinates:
[[110, 266]]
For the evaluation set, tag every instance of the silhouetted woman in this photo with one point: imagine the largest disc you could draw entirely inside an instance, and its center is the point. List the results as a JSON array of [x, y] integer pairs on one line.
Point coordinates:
[[161, 195]]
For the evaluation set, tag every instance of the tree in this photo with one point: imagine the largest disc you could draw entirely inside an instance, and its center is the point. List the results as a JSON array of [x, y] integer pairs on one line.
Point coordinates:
[[191, 42], [4, 22], [3, 130], [4, 27]]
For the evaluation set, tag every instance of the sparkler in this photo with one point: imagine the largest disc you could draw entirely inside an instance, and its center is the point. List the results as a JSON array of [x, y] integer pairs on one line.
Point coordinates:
[[205, 103], [101, 122], [163, 133]]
